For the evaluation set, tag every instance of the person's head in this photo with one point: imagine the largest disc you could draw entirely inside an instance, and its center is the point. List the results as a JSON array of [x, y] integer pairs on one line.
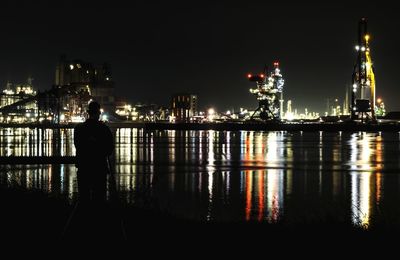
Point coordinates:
[[94, 110]]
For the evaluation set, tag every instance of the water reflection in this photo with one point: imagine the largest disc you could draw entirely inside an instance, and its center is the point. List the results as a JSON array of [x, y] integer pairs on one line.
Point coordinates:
[[365, 164], [224, 175], [264, 195], [36, 142], [360, 198], [262, 149], [58, 179], [275, 188]]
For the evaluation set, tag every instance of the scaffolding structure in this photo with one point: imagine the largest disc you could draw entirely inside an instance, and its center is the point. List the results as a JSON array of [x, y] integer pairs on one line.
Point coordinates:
[[269, 93]]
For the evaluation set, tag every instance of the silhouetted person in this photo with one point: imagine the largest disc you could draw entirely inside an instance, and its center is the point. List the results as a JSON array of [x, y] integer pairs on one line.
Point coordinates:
[[94, 143]]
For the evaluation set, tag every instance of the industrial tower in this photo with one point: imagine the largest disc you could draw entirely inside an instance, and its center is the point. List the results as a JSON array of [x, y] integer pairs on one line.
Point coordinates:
[[363, 94], [269, 93]]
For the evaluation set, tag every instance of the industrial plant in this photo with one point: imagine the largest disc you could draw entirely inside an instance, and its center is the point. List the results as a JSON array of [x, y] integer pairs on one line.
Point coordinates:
[[77, 82]]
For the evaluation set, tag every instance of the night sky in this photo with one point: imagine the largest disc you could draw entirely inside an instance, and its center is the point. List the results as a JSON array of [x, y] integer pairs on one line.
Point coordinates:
[[207, 49]]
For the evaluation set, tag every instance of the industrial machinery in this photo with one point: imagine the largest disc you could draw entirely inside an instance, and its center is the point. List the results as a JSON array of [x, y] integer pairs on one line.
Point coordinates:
[[269, 93], [363, 93]]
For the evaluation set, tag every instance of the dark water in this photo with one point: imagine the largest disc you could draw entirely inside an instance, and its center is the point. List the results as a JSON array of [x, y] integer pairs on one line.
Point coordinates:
[[233, 176]]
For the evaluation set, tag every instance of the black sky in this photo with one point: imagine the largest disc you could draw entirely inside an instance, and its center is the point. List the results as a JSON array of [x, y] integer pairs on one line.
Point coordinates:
[[156, 49]]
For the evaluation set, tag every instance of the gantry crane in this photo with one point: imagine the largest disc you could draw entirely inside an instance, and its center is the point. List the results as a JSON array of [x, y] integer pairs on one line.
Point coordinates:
[[363, 94]]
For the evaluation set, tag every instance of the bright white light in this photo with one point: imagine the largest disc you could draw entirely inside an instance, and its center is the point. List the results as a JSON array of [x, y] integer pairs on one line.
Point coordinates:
[[71, 66], [290, 116], [77, 119], [357, 48], [8, 92], [210, 114], [362, 48]]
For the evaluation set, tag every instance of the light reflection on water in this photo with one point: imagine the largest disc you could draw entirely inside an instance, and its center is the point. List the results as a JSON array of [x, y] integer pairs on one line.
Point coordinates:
[[36, 142], [366, 179], [223, 175]]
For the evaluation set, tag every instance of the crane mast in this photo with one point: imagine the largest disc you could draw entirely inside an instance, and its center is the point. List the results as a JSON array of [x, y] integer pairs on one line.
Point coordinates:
[[363, 78]]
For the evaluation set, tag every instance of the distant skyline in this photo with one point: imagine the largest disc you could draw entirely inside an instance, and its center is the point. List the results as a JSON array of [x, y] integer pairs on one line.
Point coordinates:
[[157, 49]]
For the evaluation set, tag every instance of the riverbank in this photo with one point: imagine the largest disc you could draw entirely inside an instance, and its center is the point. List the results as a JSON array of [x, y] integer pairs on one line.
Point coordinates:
[[33, 215]]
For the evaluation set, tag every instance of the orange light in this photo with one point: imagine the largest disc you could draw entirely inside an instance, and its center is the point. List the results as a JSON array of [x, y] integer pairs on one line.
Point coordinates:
[[249, 75], [276, 63], [262, 75], [379, 100]]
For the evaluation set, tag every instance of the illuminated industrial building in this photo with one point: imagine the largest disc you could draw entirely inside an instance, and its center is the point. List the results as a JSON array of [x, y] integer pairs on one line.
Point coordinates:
[[293, 114], [83, 77], [76, 83], [269, 93], [17, 95], [183, 107]]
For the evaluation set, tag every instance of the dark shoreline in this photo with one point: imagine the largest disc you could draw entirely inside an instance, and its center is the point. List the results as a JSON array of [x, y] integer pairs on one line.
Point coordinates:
[[48, 215]]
